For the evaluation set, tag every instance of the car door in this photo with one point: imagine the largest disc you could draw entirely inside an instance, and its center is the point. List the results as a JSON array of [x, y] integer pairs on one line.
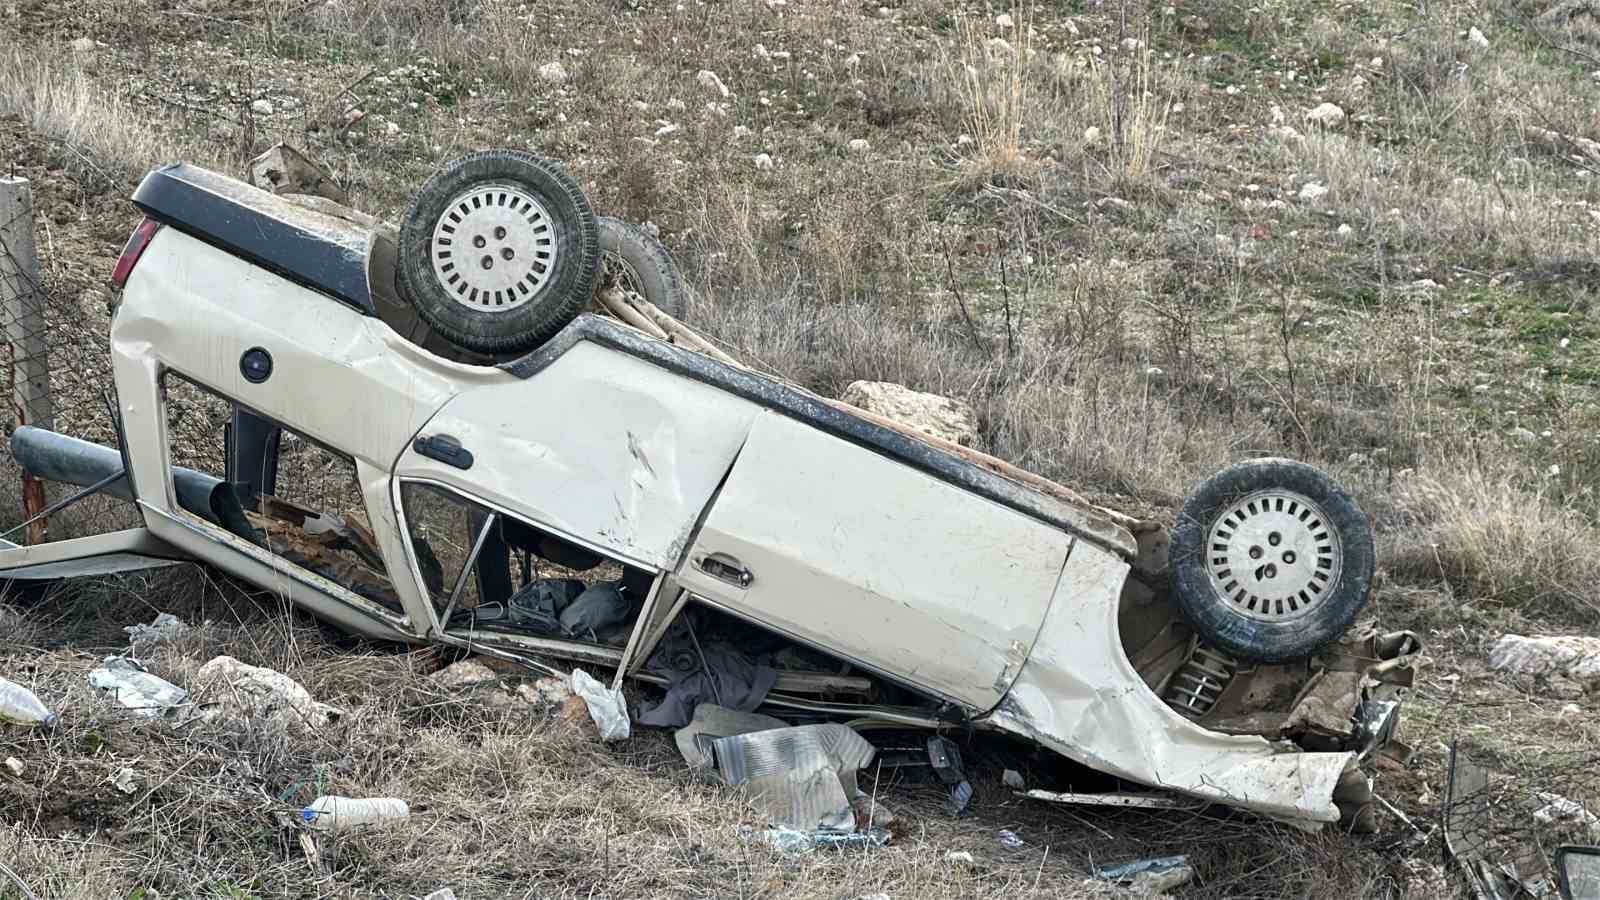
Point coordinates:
[[874, 561]]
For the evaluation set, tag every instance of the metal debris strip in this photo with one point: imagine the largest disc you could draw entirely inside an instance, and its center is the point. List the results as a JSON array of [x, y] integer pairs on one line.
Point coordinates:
[[803, 777], [1126, 799], [1502, 828]]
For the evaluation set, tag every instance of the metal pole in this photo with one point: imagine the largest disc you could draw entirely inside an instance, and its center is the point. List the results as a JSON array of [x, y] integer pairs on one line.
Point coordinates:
[[22, 309]]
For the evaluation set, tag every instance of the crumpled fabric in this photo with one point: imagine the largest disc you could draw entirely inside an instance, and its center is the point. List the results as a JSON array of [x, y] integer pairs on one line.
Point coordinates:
[[729, 677]]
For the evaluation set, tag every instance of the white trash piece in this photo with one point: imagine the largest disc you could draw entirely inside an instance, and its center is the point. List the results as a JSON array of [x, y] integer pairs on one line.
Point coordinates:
[[20, 706], [135, 688], [606, 706], [239, 688], [335, 813]]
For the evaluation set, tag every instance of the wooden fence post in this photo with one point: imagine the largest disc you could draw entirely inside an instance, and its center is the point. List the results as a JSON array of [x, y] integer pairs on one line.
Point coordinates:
[[22, 311]]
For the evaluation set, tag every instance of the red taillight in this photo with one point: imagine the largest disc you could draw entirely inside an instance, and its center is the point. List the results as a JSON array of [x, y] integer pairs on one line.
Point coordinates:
[[137, 241]]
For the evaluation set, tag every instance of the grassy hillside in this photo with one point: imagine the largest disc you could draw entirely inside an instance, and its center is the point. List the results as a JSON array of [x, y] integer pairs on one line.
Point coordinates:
[[1110, 227]]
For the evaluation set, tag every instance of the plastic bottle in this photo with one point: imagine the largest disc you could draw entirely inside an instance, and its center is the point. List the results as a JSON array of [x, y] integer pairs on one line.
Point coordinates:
[[19, 705], [347, 812]]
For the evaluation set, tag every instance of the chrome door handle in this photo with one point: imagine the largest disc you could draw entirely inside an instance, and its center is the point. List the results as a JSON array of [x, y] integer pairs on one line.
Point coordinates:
[[725, 568]]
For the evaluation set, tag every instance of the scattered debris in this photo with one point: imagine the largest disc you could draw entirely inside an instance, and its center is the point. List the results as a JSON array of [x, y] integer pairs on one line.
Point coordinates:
[[1151, 800], [1576, 658], [791, 841], [553, 72], [932, 414], [1010, 840], [1559, 811], [802, 777], [763, 161], [125, 780], [945, 757], [443, 893], [335, 813], [1011, 778], [1476, 37], [20, 706], [606, 706], [711, 722], [859, 145], [465, 673], [165, 628], [1312, 191], [712, 84], [262, 107], [135, 688], [14, 766], [257, 690], [959, 856], [1150, 876]]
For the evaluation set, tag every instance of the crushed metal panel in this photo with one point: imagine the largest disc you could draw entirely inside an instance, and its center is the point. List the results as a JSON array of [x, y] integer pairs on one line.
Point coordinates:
[[1117, 798], [1080, 696], [876, 562], [598, 445], [129, 550], [803, 777]]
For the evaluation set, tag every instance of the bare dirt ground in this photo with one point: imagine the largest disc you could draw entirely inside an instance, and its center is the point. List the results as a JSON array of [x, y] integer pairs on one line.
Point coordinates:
[[1109, 227]]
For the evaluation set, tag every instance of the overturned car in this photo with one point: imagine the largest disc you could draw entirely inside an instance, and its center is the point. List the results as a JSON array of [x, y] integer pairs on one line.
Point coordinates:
[[527, 480]]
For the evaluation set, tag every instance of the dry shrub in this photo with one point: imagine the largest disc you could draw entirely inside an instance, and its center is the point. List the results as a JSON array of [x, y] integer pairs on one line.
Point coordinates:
[[1489, 538], [993, 78], [1132, 113]]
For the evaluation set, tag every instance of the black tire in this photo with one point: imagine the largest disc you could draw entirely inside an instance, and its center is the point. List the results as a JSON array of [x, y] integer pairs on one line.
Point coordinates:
[[643, 264], [538, 305], [1263, 612]]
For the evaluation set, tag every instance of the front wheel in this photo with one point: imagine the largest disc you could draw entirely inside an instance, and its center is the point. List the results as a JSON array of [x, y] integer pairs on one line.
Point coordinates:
[[1271, 560]]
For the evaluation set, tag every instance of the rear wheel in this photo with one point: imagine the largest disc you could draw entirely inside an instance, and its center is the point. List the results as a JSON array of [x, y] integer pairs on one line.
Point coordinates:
[[498, 251], [1271, 560]]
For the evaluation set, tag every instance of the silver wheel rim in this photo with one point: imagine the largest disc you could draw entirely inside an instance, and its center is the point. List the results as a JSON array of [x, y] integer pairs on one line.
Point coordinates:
[[493, 248], [1274, 556]]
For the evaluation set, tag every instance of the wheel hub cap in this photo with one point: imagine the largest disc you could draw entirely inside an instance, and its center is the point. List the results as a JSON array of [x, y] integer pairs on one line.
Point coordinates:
[[493, 248], [1273, 555]]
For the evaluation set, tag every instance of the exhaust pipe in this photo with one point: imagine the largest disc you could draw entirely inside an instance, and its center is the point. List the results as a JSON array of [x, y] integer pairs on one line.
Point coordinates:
[[69, 460]]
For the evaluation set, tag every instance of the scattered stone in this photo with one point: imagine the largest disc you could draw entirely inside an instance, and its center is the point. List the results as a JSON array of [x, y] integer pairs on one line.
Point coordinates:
[[262, 107], [712, 84], [859, 145], [553, 73], [1287, 132], [763, 162], [1575, 658], [1131, 44], [1091, 136], [1522, 435], [1327, 115], [443, 893], [1476, 37], [666, 129], [1345, 230], [1004, 21], [1194, 23], [677, 105], [852, 61], [164, 628], [1571, 709], [84, 45], [14, 766], [999, 46], [1312, 191], [463, 673], [931, 414], [391, 129], [125, 780]]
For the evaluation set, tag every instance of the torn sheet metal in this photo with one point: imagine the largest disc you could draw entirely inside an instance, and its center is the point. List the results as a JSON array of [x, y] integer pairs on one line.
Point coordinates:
[[1117, 798], [802, 777], [136, 689], [711, 722]]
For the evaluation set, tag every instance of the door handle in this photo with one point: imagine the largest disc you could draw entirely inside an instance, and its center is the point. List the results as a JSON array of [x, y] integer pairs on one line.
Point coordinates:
[[725, 568]]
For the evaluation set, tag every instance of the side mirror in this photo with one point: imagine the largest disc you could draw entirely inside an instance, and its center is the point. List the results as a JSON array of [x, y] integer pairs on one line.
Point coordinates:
[[1578, 872]]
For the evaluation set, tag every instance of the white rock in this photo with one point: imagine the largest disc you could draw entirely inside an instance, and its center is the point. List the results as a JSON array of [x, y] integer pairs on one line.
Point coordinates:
[[83, 45], [964, 140], [1004, 21], [1522, 435], [932, 414], [885, 12], [1571, 709], [14, 766], [1554, 471], [125, 780], [1072, 27], [1286, 132], [1131, 44], [763, 161], [1312, 191], [859, 145], [1345, 231], [1091, 136], [553, 72], [740, 131], [852, 61], [999, 46], [463, 673], [712, 84], [1477, 37], [1565, 343], [262, 107], [666, 129], [1377, 62], [1328, 115], [391, 129], [959, 856], [1577, 658]]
